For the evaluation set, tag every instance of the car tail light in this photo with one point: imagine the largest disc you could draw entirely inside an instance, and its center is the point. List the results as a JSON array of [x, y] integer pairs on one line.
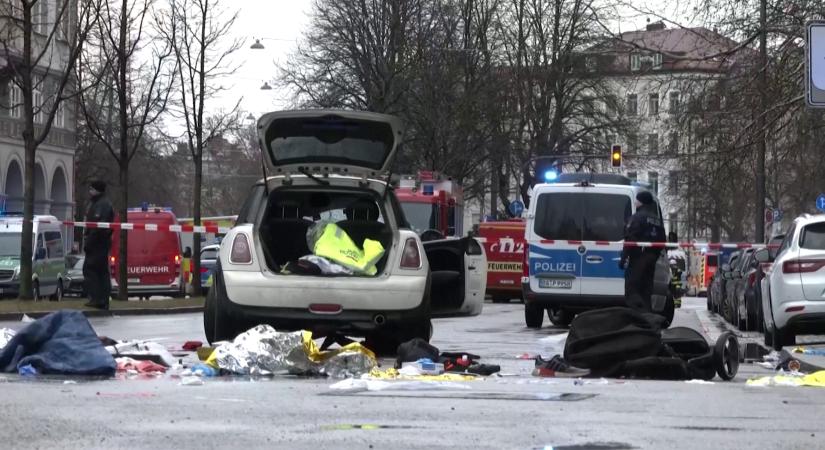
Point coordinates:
[[325, 308], [241, 253], [177, 259], [411, 257], [794, 308], [803, 265], [112, 260], [525, 266]]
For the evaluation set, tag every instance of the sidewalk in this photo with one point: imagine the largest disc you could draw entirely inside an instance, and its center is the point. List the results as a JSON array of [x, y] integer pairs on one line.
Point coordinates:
[[13, 309]]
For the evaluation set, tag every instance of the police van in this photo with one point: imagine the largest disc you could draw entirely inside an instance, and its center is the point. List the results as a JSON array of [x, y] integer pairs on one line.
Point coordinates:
[[48, 259], [570, 265]]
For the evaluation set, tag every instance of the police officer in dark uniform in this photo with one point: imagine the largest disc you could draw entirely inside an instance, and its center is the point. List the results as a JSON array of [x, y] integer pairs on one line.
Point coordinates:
[[640, 263], [96, 245]]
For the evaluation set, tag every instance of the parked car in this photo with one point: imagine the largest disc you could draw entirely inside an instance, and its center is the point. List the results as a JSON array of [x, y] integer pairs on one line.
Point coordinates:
[[333, 166], [743, 278], [209, 259], [75, 279], [717, 292], [764, 262], [794, 287]]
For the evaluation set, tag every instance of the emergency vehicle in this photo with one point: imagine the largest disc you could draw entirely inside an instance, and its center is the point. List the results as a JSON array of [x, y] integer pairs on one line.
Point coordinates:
[[572, 231], [432, 202], [504, 245], [153, 258]]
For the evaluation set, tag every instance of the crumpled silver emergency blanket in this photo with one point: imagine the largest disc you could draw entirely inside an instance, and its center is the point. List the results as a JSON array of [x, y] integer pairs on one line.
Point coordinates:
[[348, 364], [263, 350], [5, 336]]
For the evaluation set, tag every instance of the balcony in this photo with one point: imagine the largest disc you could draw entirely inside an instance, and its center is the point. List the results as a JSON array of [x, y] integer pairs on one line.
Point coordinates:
[[13, 128]]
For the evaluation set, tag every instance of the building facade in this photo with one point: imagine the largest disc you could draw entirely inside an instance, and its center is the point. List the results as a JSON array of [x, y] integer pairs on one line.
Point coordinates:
[[54, 167]]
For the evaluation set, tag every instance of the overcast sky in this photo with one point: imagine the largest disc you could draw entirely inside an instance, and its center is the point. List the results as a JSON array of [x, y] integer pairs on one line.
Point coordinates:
[[280, 24]]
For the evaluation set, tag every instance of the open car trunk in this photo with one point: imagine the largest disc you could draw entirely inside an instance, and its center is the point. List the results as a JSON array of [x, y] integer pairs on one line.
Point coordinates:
[[291, 212]]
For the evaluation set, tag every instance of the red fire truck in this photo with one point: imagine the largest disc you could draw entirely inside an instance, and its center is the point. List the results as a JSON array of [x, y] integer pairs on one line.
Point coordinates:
[[504, 244], [432, 203]]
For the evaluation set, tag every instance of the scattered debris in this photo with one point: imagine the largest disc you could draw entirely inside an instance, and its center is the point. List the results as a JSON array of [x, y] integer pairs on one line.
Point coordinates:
[[5, 336], [803, 350], [27, 371], [192, 345], [191, 381], [26, 319], [132, 366], [62, 343], [697, 381], [143, 351], [816, 379], [69, 382]]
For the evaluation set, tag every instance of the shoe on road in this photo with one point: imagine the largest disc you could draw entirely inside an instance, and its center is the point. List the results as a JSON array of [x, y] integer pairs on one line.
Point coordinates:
[[558, 368]]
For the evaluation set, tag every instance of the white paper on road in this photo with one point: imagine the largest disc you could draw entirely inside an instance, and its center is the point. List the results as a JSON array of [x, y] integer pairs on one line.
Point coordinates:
[[191, 381], [354, 385], [5, 336], [699, 382]]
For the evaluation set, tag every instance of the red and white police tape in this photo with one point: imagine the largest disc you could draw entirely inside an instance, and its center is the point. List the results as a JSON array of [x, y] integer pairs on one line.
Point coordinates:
[[672, 245], [146, 227]]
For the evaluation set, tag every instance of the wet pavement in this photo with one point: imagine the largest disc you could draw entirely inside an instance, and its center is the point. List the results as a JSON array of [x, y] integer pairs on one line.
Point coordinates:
[[514, 411]]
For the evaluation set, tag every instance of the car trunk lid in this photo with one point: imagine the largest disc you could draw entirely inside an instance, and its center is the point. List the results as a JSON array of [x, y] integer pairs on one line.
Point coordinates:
[[325, 141]]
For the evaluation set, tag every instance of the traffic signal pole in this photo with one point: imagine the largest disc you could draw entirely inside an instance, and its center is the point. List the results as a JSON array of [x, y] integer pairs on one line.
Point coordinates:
[[759, 209]]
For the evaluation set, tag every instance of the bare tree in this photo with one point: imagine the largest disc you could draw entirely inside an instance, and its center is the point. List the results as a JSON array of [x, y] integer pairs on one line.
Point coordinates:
[[198, 31], [42, 48], [126, 78]]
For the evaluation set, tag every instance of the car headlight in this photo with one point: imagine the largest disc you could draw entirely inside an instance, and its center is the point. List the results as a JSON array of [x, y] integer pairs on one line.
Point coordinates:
[[16, 275]]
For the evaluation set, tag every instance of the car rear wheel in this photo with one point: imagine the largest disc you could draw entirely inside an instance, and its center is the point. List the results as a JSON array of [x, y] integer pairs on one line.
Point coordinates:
[[533, 315], [218, 325], [559, 317]]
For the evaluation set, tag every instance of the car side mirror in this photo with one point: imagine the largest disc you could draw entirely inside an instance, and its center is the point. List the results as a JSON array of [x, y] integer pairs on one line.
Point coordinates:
[[40, 254], [763, 255]]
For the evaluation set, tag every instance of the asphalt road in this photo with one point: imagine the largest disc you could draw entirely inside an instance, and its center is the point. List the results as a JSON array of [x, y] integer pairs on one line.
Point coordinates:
[[516, 411]]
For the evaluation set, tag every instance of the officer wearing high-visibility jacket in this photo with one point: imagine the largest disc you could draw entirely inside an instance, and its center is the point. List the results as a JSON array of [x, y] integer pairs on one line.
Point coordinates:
[[640, 263]]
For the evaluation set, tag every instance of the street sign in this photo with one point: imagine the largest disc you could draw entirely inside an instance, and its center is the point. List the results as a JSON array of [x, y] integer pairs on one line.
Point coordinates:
[[768, 215], [815, 64], [820, 202], [777, 215], [516, 208]]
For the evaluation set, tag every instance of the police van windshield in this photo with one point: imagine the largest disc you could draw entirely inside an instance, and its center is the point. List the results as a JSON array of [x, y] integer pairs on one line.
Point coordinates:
[[10, 244], [582, 216]]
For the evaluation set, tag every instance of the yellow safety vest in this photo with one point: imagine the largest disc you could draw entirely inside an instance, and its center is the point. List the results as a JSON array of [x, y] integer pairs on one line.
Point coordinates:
[[336, 245]]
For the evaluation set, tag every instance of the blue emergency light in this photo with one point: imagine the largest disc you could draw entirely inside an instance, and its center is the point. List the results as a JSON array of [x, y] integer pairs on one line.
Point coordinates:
[[551, 175], [427, 189]]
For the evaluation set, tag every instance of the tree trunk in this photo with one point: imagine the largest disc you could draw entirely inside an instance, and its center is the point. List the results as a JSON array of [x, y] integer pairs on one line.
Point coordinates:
[[123, 242], [123, 117], [26, 241], [196, 237]]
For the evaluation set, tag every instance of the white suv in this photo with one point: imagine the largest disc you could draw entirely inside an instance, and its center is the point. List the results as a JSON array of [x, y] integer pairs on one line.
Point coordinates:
[[793, 291], [333, 166]]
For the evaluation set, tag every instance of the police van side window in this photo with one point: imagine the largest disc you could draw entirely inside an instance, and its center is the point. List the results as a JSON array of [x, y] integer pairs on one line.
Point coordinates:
[[559, 216]]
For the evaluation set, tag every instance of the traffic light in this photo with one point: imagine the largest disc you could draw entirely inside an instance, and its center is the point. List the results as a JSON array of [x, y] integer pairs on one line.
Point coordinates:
[[616, 156]]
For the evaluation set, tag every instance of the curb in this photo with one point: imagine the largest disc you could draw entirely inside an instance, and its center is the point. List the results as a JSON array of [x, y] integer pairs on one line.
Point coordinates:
[[12, 317]]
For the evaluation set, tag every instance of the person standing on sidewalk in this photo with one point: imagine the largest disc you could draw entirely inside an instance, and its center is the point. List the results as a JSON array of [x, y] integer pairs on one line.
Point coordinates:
[[640, 263], [97, 243]]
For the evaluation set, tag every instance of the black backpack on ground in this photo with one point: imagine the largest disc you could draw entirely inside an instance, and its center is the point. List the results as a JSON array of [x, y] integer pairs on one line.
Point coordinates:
[[622, 342]]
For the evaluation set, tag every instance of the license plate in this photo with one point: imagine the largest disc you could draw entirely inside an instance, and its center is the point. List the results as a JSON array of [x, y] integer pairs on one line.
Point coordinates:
[[553, 283]]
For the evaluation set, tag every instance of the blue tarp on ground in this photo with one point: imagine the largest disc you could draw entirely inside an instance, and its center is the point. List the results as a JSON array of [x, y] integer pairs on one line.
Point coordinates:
[[62, 342]]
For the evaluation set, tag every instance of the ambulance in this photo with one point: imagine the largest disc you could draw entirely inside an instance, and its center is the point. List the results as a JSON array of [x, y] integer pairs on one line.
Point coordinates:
[[153, 258]]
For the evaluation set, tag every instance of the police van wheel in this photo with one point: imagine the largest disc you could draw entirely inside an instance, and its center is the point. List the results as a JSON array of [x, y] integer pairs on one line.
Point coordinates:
[[559, 317], [533, 315]]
